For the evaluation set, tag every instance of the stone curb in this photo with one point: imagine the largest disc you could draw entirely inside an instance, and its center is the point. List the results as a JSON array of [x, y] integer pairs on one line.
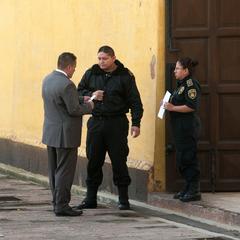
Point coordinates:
[[103, 197], [198, 210], [22, 174]]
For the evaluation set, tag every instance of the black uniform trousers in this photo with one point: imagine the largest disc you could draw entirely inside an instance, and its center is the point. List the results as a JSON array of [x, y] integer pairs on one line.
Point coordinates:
[[61, 168], [186, 133], [107, 134]]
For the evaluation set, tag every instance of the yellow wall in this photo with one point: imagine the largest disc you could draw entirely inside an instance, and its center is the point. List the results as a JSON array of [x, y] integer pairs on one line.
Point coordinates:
[[34, 33]]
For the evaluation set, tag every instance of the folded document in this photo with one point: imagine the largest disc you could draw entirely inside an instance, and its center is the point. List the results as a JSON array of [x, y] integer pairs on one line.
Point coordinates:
[[165, 99]]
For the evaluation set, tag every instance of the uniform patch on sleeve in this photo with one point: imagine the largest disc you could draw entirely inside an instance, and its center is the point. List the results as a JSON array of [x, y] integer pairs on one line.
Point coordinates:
[[189, 82], [180, 91], [192, 93]]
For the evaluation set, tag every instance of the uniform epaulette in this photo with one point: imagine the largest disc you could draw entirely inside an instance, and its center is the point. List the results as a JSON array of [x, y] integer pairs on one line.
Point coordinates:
[[180, 91], [189, 82]]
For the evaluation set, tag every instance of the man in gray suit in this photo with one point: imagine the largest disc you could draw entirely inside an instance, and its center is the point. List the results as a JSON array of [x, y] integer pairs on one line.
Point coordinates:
[[63, 112]]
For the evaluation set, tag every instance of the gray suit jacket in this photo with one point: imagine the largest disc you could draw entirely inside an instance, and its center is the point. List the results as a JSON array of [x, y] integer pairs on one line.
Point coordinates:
[[62, 112]]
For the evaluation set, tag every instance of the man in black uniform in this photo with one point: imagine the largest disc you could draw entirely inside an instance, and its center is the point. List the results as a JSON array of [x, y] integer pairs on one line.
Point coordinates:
[[183, 106], [114, 89]]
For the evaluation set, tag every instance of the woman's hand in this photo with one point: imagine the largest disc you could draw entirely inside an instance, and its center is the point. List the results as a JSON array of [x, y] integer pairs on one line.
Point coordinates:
[[168, 106]]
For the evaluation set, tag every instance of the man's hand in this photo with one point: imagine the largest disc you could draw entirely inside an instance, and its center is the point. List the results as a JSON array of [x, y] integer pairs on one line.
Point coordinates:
[[135, 131], [98, 94], [86, 99]]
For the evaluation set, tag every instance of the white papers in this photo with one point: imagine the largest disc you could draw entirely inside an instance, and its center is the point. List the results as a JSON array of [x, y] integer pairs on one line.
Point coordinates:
[[165, 99], [92, 97]]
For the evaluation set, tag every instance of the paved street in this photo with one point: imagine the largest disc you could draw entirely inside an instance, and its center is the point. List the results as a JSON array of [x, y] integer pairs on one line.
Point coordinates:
[[26, 213]]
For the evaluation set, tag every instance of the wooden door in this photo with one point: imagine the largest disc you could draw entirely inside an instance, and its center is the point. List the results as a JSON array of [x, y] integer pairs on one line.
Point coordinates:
[[209, 31]]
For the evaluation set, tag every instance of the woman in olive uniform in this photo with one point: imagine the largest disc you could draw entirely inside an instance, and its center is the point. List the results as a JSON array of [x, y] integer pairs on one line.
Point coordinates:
[[183, 106]]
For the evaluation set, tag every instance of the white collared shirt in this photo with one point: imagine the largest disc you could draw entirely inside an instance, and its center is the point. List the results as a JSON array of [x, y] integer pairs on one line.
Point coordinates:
[[61, 71]]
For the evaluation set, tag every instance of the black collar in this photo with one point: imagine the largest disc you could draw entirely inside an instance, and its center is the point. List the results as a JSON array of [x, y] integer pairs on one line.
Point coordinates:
[[118, 71]]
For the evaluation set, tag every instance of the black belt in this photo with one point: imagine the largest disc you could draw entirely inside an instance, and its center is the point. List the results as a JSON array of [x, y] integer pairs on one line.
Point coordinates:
[[108, 116]]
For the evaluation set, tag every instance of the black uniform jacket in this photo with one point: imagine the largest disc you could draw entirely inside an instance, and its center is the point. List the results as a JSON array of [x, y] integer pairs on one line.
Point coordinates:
[[120, 92], [187, 93], [186, 126]]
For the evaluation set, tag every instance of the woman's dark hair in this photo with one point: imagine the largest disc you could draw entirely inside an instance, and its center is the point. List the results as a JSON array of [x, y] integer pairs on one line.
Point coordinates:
[[106, 49], [188, 63]]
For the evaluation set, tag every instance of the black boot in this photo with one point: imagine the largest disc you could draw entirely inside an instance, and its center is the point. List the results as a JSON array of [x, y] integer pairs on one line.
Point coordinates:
[[193, 194], [91, 199], [181, 193], [123, 203]]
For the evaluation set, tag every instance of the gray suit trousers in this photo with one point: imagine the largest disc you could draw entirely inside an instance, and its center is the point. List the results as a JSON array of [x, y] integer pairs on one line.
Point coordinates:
[[61, 168]]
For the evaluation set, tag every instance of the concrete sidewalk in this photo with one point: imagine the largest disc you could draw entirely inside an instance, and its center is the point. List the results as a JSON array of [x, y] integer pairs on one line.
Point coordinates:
[[215, 208]]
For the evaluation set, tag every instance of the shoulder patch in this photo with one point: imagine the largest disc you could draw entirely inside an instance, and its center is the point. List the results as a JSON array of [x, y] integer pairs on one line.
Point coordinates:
[[192, 93], [189, 82]]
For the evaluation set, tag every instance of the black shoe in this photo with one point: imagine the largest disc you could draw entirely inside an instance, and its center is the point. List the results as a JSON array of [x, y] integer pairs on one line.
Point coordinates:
[[179, 195], [68, 212], [188, 197], [124, 206], [86, 205]]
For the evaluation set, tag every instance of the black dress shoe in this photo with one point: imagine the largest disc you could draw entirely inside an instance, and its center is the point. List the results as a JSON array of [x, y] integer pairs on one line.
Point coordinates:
[[124, 206], [68, 212], [179, 195], [86, 205], [188, 197]]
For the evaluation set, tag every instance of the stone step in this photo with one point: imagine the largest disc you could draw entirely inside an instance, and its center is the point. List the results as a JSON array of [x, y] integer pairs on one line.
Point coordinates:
[[223, 208]]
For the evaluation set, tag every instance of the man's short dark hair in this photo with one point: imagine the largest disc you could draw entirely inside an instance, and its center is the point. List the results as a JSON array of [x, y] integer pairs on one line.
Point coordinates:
[[106, 49], [66, 59]]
